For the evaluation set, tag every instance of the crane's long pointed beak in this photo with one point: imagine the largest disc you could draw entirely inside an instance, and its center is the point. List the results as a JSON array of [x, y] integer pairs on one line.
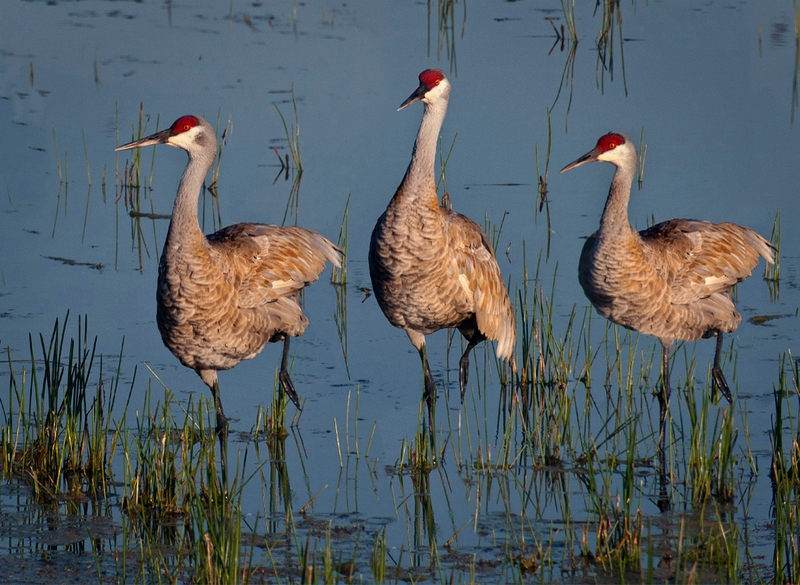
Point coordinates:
[[590, 156], [157, 138], [418, 94]]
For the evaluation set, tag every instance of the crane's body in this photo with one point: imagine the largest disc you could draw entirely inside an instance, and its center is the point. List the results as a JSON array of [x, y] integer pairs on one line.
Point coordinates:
[[242, 294], [221, 298], [432, 268], [672, 281]]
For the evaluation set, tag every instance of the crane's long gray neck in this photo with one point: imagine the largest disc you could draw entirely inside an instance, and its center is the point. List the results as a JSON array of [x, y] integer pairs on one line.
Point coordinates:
[[614, 221], [185, 222], [420, 176]]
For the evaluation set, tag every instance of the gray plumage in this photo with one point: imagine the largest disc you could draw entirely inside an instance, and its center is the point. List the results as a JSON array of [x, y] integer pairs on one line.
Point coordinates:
[[222, 297], [672, 281], [432, 268]]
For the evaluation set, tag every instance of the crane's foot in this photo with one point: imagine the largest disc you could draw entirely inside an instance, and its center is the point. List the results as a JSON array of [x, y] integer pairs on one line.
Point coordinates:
[[288, 388], [716, 372], [721, 383]]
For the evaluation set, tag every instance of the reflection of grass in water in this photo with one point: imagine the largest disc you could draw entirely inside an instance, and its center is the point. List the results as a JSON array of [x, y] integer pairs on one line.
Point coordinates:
[[610, 28], [64, 183], [339, 280], [608, 38], [564, 34], [445, 29], [293, 160], [542, 180], [130, 190]]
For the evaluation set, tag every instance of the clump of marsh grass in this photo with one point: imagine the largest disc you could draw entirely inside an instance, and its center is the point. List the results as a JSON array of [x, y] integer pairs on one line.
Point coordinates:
[[710, 460], [785, 472], [187, 519], [56, 432]]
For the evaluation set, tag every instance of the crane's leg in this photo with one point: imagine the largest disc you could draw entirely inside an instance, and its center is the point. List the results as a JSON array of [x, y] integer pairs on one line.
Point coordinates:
[[463, 366], [716, 372], [283, 375], [222, 432], [663, 403], [430, 388]]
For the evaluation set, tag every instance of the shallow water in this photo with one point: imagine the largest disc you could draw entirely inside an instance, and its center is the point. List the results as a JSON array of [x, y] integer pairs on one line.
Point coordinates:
[[711, 86]]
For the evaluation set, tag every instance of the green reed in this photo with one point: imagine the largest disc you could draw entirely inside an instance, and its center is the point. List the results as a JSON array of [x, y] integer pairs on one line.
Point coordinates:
[[710, 459], [56, 433], [772, 272], [292, 134], [441, 181], [213, 187], [175, 500], [61, 178], [543, 176], [339, 274], [293, 160], [785, 472]]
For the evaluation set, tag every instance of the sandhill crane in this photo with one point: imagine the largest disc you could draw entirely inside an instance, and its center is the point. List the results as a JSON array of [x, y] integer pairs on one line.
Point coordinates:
[[222, 297], [432, 268], [671, 281]]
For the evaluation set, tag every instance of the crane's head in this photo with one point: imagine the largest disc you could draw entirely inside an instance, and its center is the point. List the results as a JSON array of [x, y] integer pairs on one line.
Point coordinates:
[[613, 147], [191, 133], [433, 86]]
